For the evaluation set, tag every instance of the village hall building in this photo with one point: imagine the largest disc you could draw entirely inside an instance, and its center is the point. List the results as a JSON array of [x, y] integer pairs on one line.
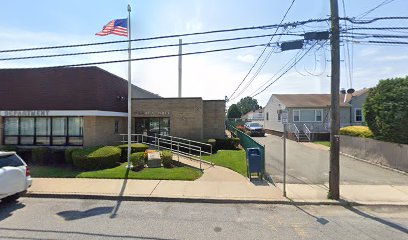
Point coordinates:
[[87, 106]]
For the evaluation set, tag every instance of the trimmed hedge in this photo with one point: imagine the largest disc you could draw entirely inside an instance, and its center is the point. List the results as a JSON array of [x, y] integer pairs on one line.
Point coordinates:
[[8, 148], [138, 160], [40, 155], [68, 155], [95, 158], [134, 147], [357, 131], [225, 144], [166, 158]]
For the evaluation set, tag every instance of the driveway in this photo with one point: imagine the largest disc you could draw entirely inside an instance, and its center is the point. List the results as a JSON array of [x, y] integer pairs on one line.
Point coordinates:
[[309, 163]]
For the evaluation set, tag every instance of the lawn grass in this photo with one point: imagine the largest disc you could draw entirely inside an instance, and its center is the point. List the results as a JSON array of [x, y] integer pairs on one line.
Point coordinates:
[[232, 159], [324, 143], [176, 173], [52, 172]]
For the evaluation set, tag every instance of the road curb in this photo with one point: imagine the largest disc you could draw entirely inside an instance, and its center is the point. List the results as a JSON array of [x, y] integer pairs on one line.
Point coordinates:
[[207, 200]]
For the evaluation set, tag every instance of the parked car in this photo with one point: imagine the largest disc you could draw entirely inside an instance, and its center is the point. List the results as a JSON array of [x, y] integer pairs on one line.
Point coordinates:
[[15, 176], [254, 129]]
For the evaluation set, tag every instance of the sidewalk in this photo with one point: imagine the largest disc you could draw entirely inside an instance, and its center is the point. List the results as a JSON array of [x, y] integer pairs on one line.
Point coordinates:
[[218, 184]]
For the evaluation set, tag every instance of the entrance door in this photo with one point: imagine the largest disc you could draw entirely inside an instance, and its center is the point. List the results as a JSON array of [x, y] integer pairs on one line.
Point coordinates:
[[152, 126]]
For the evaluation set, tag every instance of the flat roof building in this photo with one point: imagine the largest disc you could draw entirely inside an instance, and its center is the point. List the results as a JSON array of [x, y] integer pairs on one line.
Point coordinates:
[[87, 106]]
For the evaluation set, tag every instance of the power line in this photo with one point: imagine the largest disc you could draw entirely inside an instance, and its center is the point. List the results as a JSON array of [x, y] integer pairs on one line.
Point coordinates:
[[171, 36], [384, 43], [142, 48], [367, 35], [375, 8], [161, 56], [263, 51], [288, 62], [348, 61], [353, 20], [287, 70]]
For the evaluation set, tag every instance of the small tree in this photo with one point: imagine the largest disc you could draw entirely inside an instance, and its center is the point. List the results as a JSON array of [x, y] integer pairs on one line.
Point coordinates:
[[233, 111], [386, 110]]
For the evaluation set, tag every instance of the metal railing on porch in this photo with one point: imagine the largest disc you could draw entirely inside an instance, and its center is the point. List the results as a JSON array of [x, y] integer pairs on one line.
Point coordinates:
[[192, 150], [295, 130], [307, 131]]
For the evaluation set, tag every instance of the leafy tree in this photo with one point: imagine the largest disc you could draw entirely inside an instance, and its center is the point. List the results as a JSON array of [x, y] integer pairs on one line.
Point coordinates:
[[233, 111], [248, 104], [386, 110]]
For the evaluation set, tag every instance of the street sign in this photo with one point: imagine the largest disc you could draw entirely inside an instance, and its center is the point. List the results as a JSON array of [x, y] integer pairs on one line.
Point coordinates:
[[284, 117]]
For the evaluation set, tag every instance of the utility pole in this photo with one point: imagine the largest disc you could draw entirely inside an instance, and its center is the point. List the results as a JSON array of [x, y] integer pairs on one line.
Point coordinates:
[[334, 174], [180, 67]]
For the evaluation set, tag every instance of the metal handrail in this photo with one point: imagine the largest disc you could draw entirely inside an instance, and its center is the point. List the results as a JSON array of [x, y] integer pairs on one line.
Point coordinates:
[[307, 131], [189, 140], [297, 132], [175, 146]]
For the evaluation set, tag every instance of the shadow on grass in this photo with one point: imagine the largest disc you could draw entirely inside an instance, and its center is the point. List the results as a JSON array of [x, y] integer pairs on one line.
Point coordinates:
[[122, 191]]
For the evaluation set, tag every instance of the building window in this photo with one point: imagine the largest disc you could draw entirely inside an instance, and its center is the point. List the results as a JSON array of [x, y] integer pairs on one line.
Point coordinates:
[[279, 116], [307, 115], [58, 131], [358, 115], [267, 116], [296, 115], [319, 115], [116, 131]]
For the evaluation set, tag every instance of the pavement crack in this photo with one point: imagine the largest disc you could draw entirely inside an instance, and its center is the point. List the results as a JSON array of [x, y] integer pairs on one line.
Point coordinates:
[[155, 188]]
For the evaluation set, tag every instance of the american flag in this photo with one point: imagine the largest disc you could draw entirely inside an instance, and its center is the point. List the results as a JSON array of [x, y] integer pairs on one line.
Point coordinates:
[[117, 27]]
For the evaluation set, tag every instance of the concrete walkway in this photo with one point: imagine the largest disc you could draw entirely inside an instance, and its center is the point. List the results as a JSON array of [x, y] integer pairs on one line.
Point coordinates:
[[218, 184]]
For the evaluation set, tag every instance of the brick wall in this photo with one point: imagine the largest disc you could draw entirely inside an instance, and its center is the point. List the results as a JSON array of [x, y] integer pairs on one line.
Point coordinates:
[[101, 130], [1, 130], [214, 119], [186, 114]]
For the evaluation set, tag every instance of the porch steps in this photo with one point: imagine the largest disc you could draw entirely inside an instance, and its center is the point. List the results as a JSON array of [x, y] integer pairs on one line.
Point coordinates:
[[302, 137]]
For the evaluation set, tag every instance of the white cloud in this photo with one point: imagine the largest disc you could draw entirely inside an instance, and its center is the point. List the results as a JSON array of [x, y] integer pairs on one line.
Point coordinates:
[[247, 58], [391, 58]]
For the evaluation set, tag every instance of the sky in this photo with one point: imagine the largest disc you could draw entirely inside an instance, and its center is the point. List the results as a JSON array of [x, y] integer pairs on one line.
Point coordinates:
[[210, 76]]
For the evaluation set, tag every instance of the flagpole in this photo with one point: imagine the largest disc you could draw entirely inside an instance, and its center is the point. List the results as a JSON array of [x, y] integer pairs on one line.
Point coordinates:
[[129, 91]]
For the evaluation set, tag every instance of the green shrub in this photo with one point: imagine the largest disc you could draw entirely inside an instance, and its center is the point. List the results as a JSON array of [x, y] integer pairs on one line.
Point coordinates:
[[213, 142], [40, 155], [68, 155], [8, 148], [357, 131], [57, 156], [386, 110], [134, 147], [226, 143], [95, 158], [24, 153], [138, 160], [166, 158]]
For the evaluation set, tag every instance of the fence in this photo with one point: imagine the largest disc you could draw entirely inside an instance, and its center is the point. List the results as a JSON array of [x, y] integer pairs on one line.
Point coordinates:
[[247, 142]]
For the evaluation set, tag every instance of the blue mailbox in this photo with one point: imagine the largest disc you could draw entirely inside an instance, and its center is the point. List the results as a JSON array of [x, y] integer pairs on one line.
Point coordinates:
[[254, 163]]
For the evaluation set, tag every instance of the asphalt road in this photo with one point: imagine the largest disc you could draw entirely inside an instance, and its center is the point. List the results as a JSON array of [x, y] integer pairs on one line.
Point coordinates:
[[49, 219], [308, 164]]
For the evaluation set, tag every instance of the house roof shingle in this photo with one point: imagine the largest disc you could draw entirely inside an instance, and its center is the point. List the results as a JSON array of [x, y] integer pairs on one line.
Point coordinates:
[[308, 100]]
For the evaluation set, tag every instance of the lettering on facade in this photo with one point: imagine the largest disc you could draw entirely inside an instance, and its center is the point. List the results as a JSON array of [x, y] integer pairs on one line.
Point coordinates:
[[150, 113], [26, 113]]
